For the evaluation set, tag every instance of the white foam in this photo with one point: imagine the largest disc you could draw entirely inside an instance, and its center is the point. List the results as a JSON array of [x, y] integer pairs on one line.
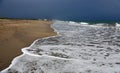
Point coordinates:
[[78, 48], [117, 25], [84, 23]]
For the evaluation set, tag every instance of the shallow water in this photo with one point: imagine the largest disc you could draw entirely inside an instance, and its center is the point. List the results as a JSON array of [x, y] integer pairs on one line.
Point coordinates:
[[78, 48], [16, 34]]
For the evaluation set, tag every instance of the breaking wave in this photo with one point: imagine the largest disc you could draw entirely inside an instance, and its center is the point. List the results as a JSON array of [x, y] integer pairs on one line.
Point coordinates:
[[78, 48]]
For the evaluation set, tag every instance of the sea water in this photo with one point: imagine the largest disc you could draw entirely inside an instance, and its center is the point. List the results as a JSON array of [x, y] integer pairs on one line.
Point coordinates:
[[78, 48]]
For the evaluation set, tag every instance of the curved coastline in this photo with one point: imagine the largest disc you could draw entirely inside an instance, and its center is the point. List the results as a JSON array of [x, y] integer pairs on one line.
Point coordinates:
[[25, 52], [17, 33]]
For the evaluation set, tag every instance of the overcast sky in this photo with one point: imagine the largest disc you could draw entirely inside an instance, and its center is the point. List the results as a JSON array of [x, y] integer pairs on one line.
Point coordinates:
[[63, 9]]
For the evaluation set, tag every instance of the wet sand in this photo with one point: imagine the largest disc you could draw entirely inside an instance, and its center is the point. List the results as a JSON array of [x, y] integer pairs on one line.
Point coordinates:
[[16, 34]]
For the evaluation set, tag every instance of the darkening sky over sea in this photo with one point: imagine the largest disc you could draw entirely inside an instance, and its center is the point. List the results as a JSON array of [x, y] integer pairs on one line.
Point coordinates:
[[61, 9]]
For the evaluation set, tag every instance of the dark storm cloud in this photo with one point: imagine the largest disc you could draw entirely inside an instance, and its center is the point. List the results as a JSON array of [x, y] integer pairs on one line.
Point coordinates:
[[1, 1], [63, 9]]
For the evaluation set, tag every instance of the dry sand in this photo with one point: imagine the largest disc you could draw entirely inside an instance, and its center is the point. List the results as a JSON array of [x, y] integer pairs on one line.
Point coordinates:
[[16, 34]]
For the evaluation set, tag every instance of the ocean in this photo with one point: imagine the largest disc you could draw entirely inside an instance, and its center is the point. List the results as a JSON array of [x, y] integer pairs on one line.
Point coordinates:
[[91, 44], [78, 48]]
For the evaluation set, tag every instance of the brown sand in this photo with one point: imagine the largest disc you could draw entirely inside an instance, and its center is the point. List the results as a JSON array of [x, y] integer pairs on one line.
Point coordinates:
[[16, 34]]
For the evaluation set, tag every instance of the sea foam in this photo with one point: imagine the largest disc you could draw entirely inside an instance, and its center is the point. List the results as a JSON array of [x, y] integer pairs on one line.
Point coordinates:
[[78, 48]]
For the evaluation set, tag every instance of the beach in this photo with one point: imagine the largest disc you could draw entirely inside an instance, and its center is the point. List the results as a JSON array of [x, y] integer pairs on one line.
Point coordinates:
[[16, 34], [77, 48]]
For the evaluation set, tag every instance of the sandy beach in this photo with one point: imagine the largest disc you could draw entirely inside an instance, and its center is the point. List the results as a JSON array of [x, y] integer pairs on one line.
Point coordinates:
[[17, 34]]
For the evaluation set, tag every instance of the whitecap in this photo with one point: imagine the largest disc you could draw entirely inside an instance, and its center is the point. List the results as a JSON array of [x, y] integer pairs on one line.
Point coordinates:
[[78, 48]]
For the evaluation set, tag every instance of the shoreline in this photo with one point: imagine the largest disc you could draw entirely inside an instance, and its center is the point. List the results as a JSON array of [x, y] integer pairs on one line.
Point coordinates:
[[16, 34], [81, 20], [25, 52], [47, 54]]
